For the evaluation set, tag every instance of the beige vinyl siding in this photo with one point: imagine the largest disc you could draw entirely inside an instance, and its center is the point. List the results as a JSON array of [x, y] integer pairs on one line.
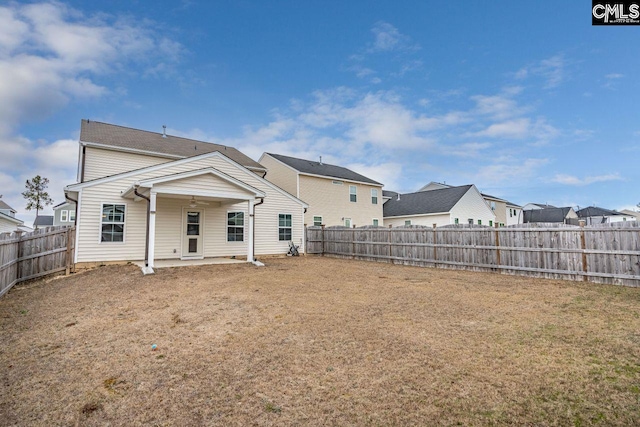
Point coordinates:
[[472, 205], [90, 248], [426, 220], [201, 183], [280, 174], [501, 212], [332, 203], [99, 162]]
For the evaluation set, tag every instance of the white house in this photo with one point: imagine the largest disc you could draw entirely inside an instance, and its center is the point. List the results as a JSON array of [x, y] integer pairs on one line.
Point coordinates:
[[150, 196], [8, 221], [442, 206]]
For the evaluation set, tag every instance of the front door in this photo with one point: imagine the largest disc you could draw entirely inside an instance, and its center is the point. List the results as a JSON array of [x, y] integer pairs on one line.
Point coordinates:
[[192, 232]]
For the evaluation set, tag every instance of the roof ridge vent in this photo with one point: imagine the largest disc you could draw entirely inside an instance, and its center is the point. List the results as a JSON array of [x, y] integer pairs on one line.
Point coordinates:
[[320, 160], [164, 131]]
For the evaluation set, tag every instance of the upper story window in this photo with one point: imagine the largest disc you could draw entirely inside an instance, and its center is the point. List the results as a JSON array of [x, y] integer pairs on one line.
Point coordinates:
[[352, 193], [64, 216], [407, 222], [336, 182], [493, 206], [374, 196], [317, 220], [112, 227], [72, 216], [375, 222]]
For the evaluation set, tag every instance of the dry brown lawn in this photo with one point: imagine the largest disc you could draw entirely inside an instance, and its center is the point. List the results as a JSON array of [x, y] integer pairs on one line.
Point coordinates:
[[318, 341]]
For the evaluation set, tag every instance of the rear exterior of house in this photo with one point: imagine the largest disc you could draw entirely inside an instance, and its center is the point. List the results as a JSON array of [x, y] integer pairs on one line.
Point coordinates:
[[440, 206], [8, 221], [64, 214], [336, 195], [142, 195]]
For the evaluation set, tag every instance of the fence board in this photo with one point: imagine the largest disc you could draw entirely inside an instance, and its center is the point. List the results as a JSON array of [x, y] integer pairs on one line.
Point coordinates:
[[604, 253], [36, 254]]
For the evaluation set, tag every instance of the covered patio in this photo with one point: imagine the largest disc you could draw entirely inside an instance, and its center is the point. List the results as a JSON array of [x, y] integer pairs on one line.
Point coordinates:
[[196, 217]]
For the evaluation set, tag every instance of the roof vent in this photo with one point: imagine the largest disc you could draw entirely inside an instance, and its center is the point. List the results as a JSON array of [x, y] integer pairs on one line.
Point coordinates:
[[398, 196], [164, 131], [320, 159]]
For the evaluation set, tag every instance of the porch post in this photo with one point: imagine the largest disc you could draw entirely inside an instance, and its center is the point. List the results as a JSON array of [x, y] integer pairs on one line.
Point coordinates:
[[250, 239], [152, 228]]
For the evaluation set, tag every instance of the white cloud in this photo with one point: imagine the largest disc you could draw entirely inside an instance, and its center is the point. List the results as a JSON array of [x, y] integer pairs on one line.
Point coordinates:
[[508, 170], [552, 70], [388, 38], [573, 180]]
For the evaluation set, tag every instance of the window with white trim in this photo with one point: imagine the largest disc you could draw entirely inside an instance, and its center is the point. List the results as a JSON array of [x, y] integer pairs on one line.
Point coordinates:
[[353, 193], [407, 222], [112, 223], [64, 216], [336, 182], [317, 220], [493, 206], [479, 222], [235, 226], [375, 222], [347, 222], [72, 216], [470, 221], [374, 196], [456, 221], [284, 227], [490, 223]]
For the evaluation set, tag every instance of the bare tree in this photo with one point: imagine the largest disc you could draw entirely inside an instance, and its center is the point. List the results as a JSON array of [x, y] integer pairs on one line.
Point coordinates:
[[36, 194]]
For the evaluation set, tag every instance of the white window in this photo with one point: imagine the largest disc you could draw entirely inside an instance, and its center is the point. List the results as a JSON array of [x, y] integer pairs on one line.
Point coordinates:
[[470, 221], [456, 221], [375, 222], [490, 223], [407, 222], [374, 196], [479, 222], [64, 216], [72, 216], [510, 212], [317, 220], [352, 193], [336, 182], [235, 226], [112, 224], [493, 206], [284, 227], [347, 222]]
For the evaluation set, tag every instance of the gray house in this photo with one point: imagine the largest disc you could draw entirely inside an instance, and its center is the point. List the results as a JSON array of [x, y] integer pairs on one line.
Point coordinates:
[[64, 214]]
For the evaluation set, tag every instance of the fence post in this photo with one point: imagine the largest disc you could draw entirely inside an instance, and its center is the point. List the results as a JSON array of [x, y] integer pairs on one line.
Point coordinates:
[[498, 261], [68, 267], [19, 252], [353, 245], [322, 240], [435, 248], [389, 244], [583, 246]]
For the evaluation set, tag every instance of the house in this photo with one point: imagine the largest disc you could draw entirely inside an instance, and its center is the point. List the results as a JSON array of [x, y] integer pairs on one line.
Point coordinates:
[[629, 212], [43, 221], [147, 196], [443, 206], [8, 221], [596, 215], [506, 213], [336, 195], [530, 206], [564, 215], [64, 214]]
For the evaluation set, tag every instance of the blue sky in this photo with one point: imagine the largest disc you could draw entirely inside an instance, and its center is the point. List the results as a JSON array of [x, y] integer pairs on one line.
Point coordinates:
[[527, 101]]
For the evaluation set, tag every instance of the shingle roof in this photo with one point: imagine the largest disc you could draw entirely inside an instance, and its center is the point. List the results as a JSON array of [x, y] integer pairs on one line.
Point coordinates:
[[595, 211], [543, 206], [425, 202], [388, 193], [324, 169], [546, 215], [43, 220], [153, 142], [3, 205]]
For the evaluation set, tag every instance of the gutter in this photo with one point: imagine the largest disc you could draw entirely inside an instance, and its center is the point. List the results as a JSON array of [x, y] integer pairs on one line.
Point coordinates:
[[146, 242]]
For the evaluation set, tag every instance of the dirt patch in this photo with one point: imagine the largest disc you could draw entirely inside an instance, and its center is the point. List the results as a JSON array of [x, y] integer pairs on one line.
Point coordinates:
[[318, 341]]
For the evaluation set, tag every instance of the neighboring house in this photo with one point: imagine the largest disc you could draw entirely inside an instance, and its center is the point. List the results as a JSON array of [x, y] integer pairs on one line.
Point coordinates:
[[506, 213], [564, 215], [596, 215], [146, 195], [530, 206], [8, 221], [443, 206], [336, 195], [64, 214], [629, 212], [43, 221]]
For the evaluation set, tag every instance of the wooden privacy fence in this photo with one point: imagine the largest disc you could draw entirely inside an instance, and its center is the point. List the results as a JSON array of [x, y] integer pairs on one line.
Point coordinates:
[[41, 252], [606, 253]]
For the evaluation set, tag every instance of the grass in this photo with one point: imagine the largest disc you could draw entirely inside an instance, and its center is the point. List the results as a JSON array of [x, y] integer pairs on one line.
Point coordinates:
[[318, 341]]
